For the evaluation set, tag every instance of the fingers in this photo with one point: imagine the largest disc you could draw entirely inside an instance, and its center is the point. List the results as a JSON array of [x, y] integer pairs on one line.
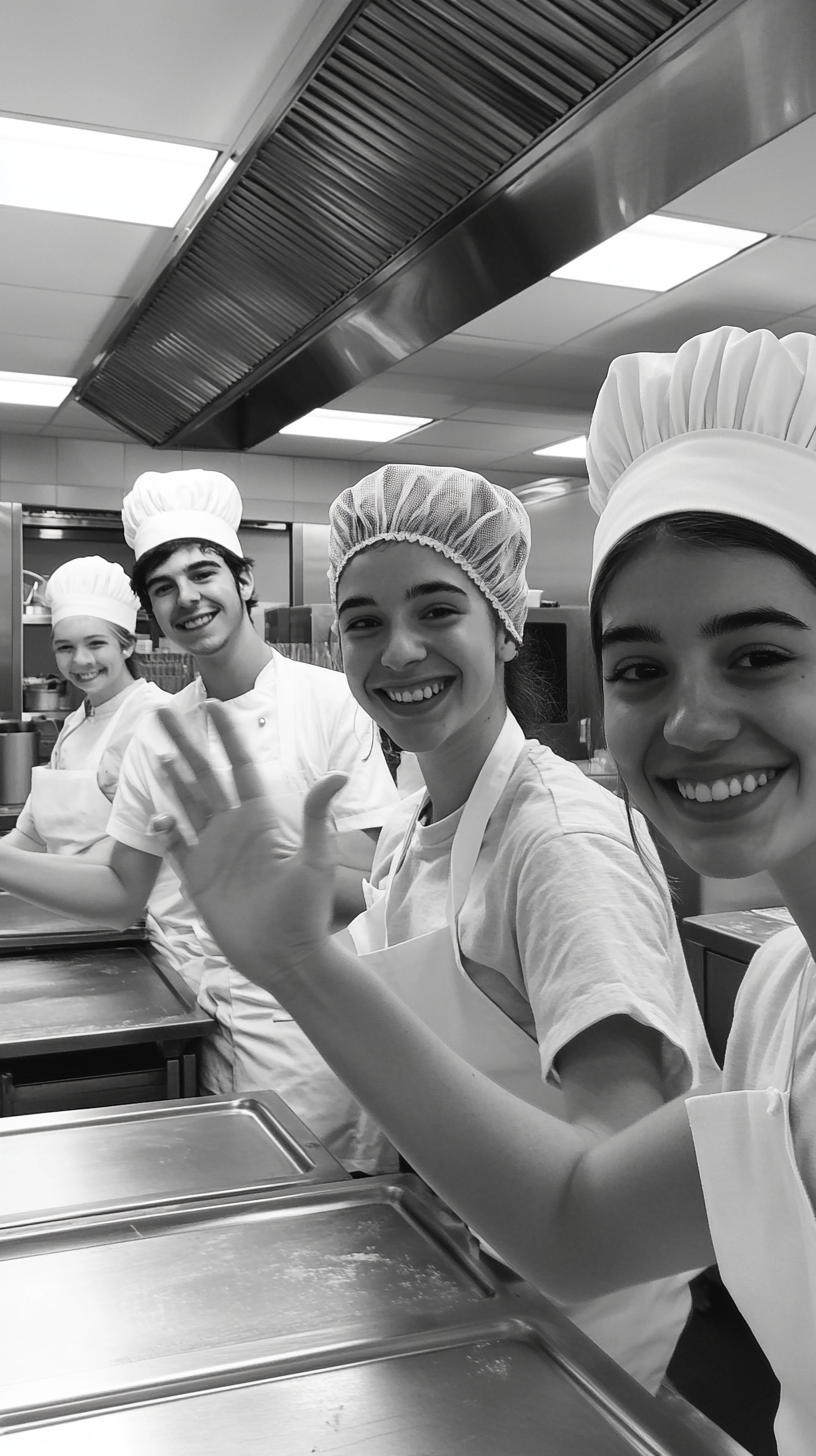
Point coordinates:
[[316, 826], [209, 792]]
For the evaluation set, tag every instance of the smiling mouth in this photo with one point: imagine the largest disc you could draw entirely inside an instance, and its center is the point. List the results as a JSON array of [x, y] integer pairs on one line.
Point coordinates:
[[733, 786], [191, 624], [88, 676], [422, 693]]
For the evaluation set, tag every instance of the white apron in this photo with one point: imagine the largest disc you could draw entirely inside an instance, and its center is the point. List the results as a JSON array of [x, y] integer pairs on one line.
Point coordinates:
[[70, 811], [638, 1327], [763, 1228], [256, 1044]]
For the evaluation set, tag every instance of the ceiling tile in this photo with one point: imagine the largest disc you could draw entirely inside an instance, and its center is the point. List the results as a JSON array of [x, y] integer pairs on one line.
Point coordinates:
[[771, 190], [779, 274], [22, 354], [72, 254], [554, 310], [663, 325], [461, 357], [493, 440], [409, 394], [187, 70], [51, 314], [550, 425], [565, 380]]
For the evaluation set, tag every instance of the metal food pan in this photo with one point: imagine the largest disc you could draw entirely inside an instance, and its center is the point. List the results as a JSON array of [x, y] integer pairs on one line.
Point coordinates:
[[25, 927], [84, 997], [59, 1164], [521, 1384], [124, 1300]]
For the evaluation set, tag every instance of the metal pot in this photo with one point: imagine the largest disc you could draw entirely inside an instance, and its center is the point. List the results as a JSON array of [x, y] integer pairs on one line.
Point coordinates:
[[44, 694], [19, 754]]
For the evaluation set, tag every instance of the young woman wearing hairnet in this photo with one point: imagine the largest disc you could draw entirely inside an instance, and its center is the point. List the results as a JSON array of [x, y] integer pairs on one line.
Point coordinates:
[[93, 626], [703, 467], [508, 906]]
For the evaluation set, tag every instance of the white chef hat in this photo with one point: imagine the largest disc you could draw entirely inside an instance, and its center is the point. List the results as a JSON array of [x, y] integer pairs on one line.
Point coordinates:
[[182, 505], [89, 586], [481, 527], [727, 424]]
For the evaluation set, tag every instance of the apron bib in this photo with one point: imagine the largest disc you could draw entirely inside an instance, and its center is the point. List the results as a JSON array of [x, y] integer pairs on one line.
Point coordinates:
[[638, 1327], [256, 1044], [763, 1228], [70, 811]]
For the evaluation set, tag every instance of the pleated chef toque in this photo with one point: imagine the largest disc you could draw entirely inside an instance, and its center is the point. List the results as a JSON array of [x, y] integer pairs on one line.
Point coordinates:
[[89, 586], [182, 505], [727, 424], [483, 528]]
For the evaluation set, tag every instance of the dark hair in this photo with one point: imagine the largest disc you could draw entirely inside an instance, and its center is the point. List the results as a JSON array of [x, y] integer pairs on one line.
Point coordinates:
[[708, 530], [152, 560], [528, 691]]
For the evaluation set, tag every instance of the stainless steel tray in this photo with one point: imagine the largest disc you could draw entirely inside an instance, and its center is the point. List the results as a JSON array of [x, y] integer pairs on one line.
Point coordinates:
[[91, 997], [125, 1301], [59, 1164], [29, 927], [475, 1368]]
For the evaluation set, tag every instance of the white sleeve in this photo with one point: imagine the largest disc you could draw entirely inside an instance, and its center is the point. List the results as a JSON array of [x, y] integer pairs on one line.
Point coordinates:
[[597, 938]]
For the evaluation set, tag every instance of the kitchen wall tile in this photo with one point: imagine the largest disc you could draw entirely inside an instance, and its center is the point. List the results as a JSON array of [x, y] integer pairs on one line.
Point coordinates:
[[89, 497], [267, 510], [313, 512], [266, 477], [139, 458], [28, 458], [27, 494], [91, 463], [227, 461], [319, 481]]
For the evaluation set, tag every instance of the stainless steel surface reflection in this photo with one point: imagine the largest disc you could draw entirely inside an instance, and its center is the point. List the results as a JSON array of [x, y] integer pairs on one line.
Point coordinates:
[[99, 1303], [136, 1157], [497, 1393], [86, 997], [25, 927]]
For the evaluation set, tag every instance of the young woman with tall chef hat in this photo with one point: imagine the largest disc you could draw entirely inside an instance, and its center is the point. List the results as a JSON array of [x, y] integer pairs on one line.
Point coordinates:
[[703, 469], [93, 626], [193, 577], [478, 912]]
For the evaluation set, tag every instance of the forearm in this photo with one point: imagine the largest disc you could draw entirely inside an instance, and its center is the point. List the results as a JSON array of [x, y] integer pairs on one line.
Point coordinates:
[[532, 1186], [67, 884]]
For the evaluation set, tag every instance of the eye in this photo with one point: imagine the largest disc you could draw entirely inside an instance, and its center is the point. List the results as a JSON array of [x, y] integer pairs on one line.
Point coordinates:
[[762, 658], [440, 611], [641, 670], [360, 624]]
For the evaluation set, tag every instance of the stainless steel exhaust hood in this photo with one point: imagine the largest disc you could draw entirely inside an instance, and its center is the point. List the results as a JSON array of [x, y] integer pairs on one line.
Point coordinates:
[[440, 156]]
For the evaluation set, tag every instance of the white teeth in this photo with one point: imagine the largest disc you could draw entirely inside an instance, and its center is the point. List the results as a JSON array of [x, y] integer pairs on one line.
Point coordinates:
[[722, 789], [415, 695]]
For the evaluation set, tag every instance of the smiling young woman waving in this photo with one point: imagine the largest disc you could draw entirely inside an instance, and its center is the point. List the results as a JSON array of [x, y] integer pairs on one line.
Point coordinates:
[[477, 907]]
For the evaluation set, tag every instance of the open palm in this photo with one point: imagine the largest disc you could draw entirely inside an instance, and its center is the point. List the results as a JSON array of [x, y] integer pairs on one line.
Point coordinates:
[[266, 907]]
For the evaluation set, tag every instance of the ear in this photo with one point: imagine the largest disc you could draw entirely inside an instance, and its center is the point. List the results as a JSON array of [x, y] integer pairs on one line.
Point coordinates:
[[247, 585], [508, 649]]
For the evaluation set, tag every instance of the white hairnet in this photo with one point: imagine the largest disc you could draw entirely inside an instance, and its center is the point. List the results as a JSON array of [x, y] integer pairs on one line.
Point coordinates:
[[727, 424], [481, 527]]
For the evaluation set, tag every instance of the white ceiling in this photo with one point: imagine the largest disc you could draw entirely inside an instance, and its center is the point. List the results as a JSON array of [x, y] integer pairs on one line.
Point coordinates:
[[521, 376]]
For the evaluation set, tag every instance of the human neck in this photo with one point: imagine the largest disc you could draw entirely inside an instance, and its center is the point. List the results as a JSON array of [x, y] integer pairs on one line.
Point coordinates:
[[113, 690], [451, 770], [231, 672]]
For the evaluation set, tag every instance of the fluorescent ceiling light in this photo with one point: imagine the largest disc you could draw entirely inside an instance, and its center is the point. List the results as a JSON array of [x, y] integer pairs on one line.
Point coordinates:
[[541, 490], [98, 174], [334, 424], [575, 448], [658, 252], [47, 390]]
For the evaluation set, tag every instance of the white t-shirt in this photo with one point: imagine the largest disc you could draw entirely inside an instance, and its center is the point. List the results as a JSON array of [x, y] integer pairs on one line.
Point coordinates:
[[756, 1034], [80, 734], [325, 731], [563, 925]]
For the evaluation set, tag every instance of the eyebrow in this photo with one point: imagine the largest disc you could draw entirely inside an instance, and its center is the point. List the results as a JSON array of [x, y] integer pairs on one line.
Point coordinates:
[[161, 576], [715, 627], [423, 589]]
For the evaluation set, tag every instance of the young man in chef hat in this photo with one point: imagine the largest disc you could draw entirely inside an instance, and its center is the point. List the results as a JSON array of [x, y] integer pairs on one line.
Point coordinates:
[[302, 722]]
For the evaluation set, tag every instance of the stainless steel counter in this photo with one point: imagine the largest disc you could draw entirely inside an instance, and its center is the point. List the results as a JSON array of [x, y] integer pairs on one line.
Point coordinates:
[[25, 927], [158, 1153], [355, 1317]]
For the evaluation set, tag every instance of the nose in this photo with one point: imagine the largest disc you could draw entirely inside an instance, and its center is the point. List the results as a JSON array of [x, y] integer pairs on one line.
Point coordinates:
[[188, 593], [403, 647], [83, 657], [700, 714]]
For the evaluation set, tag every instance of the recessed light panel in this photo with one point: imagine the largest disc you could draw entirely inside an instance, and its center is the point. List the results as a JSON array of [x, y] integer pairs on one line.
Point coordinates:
[[658, 252], [98, 174], [346, 425], [574, 449], [45, 390]]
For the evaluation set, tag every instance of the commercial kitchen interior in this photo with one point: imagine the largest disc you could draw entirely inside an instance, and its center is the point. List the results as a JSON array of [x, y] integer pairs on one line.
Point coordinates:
[[713, 120]]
